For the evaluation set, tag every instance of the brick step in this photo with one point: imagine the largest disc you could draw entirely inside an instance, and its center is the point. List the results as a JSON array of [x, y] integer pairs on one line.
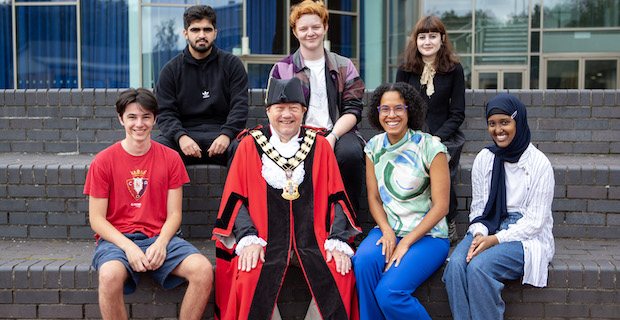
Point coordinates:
[[42, 198], [53, 280], [84, 121]]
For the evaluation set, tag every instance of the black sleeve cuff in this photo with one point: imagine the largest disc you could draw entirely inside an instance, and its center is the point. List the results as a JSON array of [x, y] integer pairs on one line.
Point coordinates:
[[339, 226], [244, 226]]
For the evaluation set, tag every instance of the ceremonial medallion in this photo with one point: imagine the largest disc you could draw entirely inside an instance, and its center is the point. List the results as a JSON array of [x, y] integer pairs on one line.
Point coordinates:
[[290, 190]]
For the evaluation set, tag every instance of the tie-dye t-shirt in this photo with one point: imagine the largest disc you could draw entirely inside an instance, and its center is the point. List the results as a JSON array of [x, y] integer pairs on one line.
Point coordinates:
[[402, 172]]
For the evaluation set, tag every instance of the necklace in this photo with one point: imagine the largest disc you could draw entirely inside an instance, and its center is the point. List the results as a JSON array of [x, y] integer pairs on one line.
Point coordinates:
[[290, 190]]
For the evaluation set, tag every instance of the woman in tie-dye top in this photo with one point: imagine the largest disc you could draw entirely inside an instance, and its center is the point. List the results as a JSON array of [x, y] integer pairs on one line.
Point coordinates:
[[408, 184]]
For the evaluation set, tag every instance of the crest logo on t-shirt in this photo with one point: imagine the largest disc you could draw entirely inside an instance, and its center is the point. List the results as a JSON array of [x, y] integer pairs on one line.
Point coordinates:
[[206, 94], [137, 184]]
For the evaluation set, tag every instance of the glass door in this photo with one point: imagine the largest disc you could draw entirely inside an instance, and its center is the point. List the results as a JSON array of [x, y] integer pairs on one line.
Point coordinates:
[[601, 74], [499, 78], [488, 80]]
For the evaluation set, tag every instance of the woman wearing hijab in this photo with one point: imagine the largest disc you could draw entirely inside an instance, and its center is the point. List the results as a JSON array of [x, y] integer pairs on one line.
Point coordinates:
[[510, 234], [432, 68]]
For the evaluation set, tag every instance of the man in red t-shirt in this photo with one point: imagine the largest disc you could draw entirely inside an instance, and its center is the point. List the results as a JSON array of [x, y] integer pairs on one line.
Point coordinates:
[[135, 190]]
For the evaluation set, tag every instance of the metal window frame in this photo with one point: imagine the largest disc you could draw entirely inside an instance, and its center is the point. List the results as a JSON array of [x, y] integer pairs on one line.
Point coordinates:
[[581, 58]]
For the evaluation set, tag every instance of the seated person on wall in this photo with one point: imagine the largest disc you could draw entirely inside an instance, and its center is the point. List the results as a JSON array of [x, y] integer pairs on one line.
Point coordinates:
[[333, 91], [510, 235], [202, 94], [284, 201], [135, 190], [433, 69], [408, 186]]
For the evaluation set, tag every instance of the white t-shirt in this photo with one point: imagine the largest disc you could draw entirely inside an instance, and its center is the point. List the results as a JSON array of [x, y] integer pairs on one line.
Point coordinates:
[[515, 186], [318, 111]]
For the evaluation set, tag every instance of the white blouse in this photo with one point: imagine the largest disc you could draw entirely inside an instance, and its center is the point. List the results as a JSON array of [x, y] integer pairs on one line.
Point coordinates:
[[535, 185]]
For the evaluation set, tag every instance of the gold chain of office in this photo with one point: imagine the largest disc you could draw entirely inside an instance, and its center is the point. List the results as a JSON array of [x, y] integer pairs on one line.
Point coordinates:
[[290, 190], [273, 154]]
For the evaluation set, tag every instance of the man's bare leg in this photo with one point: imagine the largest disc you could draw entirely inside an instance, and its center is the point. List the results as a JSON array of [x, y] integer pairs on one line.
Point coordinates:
[[198, 272], [112, 277]]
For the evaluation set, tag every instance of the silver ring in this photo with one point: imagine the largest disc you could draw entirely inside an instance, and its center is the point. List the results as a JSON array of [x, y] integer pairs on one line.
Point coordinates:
[[195, 147]]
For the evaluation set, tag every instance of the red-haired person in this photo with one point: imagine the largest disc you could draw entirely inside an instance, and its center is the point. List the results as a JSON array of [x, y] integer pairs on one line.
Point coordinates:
[[333, 90]]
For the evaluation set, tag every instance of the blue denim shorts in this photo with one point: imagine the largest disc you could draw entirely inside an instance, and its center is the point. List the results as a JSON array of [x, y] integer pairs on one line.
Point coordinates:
[[177, 250]]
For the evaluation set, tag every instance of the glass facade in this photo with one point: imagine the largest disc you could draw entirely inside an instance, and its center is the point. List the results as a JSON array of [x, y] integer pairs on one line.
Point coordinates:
[[562, 74], [162, 38], [46, 47], [581, 13], [601, 74], [502, 44], [6, 45], [518, 43], [105, 55]]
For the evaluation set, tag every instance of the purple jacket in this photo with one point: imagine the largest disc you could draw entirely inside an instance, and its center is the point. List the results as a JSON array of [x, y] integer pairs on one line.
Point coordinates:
[[344, 92]]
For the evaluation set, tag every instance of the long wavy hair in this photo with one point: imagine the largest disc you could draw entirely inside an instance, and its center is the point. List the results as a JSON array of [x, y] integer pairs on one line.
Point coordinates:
[[445, 59], [416, 107]]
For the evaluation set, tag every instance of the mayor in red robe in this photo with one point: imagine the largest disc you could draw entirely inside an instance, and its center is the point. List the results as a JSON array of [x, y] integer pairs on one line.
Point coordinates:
[[284, 200]]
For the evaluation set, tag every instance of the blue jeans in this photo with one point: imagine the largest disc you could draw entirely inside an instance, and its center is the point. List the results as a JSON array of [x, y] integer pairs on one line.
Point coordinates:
[[474, 288], [388, 295]]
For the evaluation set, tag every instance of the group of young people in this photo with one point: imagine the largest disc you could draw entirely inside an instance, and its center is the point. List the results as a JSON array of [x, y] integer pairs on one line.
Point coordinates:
[[293, 187]]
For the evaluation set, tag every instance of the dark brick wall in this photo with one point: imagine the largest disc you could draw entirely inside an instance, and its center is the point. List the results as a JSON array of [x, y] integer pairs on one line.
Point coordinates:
[[582, 284], [84, 120], [46, 201]]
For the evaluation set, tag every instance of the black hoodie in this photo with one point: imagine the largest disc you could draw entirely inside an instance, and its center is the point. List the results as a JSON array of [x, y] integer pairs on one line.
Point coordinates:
[[210, 93]]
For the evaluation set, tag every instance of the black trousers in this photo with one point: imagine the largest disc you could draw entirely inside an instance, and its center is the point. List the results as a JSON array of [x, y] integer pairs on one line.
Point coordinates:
[[454, 145], [204, 140], [349, 152]]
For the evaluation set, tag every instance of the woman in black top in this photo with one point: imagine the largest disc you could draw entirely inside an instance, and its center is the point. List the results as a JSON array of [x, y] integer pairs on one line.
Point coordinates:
[[433, 69]]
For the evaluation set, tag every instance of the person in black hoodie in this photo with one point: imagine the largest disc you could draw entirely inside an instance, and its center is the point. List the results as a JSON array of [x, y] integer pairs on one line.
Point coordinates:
[[202, 94]]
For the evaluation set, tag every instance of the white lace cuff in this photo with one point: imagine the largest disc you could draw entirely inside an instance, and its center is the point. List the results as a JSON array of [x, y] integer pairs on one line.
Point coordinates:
[[339, 245], [248, 240]]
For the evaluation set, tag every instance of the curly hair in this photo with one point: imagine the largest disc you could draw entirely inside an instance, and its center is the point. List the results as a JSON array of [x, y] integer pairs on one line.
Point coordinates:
[[308, 7], [416, 107], [444, 61]]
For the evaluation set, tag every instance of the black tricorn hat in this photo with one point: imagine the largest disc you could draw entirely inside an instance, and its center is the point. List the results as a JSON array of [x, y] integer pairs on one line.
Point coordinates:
[[285, 91]]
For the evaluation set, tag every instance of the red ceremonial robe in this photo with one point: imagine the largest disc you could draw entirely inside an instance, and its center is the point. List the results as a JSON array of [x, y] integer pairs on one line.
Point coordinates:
[[302, 225]]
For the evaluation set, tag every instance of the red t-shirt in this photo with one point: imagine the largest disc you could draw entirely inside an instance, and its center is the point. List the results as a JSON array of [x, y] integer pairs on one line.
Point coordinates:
[[136, 186]]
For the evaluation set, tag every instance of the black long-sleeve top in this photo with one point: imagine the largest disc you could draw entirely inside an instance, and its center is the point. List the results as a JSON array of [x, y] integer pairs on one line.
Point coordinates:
[[446, 107]]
